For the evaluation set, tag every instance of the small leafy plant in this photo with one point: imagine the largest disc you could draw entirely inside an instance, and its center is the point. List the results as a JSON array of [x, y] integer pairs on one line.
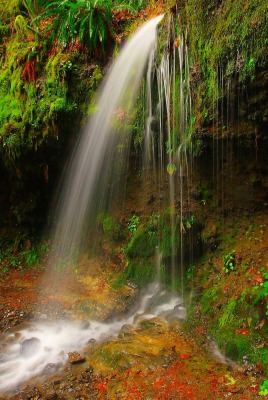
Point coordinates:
[[171, 169], [133, 223], [229, 262], [264, 388]]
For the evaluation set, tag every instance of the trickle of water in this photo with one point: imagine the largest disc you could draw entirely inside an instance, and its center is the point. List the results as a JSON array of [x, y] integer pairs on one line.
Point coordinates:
[[87, 185], [42, 349]]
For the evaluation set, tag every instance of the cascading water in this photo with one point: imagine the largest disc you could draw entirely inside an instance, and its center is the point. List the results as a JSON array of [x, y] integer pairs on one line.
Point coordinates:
[[99, 147], [173, 112], [93, 162]]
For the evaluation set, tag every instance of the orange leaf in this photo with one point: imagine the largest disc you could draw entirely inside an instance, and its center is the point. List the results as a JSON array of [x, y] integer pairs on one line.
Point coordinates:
[[242, 331], [185, 356], [101, 387]]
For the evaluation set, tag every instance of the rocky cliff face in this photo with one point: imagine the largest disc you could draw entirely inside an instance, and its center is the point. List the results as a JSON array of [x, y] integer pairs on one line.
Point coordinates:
[[45, 93]]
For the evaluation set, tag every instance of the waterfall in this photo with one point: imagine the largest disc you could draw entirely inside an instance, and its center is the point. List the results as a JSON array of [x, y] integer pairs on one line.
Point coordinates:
[[91, 180], [104, 142], [173, 113]]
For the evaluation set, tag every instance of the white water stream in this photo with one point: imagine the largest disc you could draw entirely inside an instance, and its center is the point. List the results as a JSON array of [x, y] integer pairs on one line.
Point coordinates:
[[85, 188], [42, 348], [105, 140]]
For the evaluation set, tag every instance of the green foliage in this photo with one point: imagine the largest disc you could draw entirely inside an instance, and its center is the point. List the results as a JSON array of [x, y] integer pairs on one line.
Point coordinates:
[[235, 347], [133, 223], [189, 221], [141, 272], [87, 22], [139, 120], [169, 235], [17, 252], [112, 228], [229, 261], [227, 41], [208, 300], [228, 313], [39, 96], [190, 271], [153, 224], [141, 245], [33, 256], [171, 169], [133, 5], [264, 388], [263, 295]]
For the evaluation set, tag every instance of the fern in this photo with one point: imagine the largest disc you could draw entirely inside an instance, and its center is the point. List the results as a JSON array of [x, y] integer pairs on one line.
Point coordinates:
[[132, 5], [88, 21]]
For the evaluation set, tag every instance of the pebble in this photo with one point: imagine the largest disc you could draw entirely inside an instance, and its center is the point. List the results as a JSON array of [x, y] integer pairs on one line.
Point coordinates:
[[76, 358]]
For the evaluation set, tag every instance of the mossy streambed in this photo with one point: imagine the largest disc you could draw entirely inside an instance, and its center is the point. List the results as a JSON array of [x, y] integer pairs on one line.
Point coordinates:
[[148, 357]]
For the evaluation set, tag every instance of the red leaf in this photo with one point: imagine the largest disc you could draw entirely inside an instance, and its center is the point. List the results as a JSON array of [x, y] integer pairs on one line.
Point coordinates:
[[101, 387], [185, 356], [242, 331]]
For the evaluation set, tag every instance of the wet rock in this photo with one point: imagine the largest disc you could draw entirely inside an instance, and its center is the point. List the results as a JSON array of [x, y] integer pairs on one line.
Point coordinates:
[[151, 199], [51, 394], [50, 368], [132, 285], [85, 325], [56, 381], [152, 323], [76, 358], [126, 331], [30, 347], [90, 341], [3, 347], [245, 360]]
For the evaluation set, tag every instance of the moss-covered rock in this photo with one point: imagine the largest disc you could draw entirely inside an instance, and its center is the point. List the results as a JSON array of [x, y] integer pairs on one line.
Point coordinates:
[[141, 245], [227, 47], [113, 229]]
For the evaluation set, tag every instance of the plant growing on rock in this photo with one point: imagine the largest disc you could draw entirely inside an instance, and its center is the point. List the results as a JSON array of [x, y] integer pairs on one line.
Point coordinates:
[[86, 22], [229, 261], [133, 223]]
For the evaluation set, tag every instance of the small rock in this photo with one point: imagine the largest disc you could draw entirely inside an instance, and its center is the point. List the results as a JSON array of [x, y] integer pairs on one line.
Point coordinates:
[[126, 331], [85, 325], [29, 347], [245, 360], [51, 395], [50, 368], [92, 340], [151, 199], [76, 358], [56, 380]]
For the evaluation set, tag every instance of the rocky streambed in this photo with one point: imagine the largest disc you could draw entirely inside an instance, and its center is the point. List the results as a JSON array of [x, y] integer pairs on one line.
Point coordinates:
[[144, 355]]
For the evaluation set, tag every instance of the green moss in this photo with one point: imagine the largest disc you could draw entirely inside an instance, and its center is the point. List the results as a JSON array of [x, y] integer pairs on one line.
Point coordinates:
[[227, 314], [112, 229], [168, 237], [142, 272], [39, 94], [227, 41], [208, 301], [58, 105], [141, 245]]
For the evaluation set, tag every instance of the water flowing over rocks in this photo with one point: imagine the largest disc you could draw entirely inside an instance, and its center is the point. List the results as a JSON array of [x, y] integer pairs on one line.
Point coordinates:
[[98, 338], [29, 347]]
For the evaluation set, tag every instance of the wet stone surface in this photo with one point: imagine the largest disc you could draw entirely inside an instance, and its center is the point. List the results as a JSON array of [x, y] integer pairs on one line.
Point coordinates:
[[76, 358], [29, 347]]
